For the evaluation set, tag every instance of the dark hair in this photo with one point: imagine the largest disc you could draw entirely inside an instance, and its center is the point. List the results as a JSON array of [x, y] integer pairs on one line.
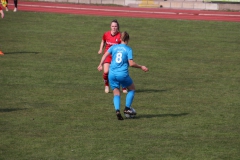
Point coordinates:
[[115, 21], [125, 36]]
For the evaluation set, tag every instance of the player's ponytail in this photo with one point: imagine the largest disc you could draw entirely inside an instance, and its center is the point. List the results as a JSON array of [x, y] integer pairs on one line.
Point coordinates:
[[125, 36]]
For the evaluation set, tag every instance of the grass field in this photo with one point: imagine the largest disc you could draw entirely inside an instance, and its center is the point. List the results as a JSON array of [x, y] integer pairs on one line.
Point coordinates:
[[53, 105]]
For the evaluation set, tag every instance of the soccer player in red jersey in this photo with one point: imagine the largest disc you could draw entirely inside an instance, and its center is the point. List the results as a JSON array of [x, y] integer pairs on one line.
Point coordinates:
[[2, 15], [110, 38]]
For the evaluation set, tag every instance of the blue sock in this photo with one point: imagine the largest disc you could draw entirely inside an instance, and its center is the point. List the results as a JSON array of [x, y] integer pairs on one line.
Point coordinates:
[[129, 98], [116, 102]]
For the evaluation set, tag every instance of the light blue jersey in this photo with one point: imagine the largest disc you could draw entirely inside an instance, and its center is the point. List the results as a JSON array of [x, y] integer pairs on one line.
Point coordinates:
[[118, 71], [121, 53]]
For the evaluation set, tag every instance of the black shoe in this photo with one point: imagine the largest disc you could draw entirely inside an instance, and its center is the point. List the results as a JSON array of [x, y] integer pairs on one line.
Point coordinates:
[[119, 116], [128, 111]]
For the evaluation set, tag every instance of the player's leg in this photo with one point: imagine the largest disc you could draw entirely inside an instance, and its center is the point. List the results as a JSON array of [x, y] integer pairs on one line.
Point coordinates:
[[130, 97], [7, 5], [115, 85], [15, 4], [105, 76], [105, 72], [116, 99], [124, 90], [117, 103]]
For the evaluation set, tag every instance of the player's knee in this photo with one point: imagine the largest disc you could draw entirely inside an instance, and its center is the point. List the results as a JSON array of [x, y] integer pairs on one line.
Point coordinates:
[[131, 87]]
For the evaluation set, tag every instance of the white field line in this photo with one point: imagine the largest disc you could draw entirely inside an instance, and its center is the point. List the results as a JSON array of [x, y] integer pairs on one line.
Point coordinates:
[[127, 11], [192, 14], [230, 15]]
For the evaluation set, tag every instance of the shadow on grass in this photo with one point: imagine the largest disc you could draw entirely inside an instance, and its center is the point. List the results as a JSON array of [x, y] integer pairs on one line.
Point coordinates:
[[21, 52], [11, 110], [160, 115], [151, 90]]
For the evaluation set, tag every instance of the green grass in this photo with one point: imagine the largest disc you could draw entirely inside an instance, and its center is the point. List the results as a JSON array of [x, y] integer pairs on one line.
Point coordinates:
[[53, 105]]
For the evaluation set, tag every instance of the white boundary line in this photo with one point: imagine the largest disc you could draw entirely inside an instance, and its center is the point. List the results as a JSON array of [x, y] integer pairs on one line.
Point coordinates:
[[230, 15]]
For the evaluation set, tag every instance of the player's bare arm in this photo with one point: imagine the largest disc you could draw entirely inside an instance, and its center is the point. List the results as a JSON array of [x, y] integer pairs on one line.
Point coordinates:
[[102, 60], [102, 44], [2, 14], [135, 65]]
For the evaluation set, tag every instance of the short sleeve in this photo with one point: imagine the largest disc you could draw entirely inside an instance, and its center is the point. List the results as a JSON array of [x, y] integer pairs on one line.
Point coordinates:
[[130, 54], [110, 50], [104, 37]]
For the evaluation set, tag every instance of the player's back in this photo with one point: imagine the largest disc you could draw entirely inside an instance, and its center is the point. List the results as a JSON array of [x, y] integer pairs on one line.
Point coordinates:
[[121, 53]]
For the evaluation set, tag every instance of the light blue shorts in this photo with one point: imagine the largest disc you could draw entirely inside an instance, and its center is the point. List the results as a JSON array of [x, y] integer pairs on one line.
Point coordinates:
[[116, 81]]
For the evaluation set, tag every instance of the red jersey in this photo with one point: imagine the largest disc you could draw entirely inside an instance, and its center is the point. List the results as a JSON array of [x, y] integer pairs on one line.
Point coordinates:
[[0, 8], [110, 39]]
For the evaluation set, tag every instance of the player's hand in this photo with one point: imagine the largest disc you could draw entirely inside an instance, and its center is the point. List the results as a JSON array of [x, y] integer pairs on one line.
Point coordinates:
[[100, 52], [99, 67], [144, 68]]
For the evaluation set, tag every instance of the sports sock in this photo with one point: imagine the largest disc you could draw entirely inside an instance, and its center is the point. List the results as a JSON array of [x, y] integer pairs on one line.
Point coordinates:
[[129, 98], [116, 102], [15, 3], [105, 78]]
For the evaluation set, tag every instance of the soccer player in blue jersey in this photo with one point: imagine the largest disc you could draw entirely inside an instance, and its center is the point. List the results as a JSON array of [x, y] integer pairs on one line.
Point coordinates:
[[122, 58]]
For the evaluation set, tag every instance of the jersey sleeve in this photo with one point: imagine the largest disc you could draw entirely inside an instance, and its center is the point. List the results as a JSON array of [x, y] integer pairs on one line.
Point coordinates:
[[104, 37], [130, 54], [110, 50]]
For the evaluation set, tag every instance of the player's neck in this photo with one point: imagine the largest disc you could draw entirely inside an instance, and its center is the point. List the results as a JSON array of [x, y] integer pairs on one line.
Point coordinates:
[[113, 33]]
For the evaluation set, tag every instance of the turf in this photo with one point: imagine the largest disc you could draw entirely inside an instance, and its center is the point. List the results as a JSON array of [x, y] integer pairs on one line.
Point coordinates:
[[53, 105]]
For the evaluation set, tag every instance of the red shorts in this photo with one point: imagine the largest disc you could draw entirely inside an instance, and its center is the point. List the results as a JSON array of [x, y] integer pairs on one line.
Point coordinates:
[[108, 59]]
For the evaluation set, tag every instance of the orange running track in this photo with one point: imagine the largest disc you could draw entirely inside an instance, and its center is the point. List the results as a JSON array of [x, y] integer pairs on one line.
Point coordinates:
[[68, 8]]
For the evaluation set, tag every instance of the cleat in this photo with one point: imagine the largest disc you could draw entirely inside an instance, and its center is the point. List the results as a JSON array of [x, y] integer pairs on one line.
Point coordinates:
[[15, 9], [119, 116], [124, 90], [1, 53], [106, 89], [129, 111]]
